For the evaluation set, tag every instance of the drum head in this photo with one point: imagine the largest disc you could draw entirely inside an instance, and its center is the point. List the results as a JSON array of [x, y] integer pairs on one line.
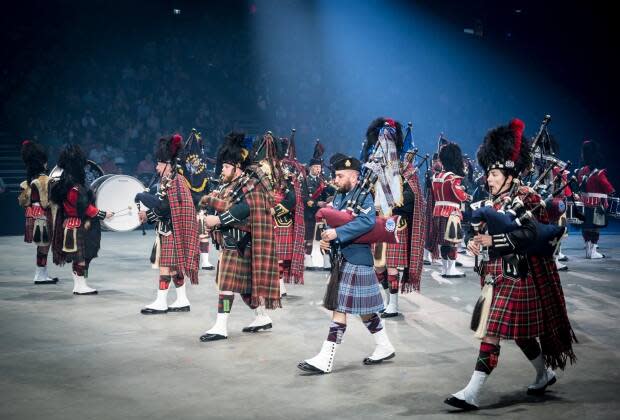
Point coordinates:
[[116, 193]]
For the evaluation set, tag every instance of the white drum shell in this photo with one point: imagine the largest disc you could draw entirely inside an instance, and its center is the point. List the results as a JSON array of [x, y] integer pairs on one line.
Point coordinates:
[[116, 193]]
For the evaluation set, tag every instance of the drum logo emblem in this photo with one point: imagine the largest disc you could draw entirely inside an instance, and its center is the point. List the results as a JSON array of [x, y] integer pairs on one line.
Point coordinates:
[[390, 225]]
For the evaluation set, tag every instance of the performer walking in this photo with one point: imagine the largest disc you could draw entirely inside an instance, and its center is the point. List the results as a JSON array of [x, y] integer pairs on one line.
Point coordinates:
[[595, 189], [244, 232], [448, 194], [316, 191], [523, 297], [77, 229], [34, 198], [358, 290], [176, 250]]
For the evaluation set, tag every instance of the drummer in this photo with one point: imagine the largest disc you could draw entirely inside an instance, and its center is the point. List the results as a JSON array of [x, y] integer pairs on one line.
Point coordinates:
[[77, 231], [595, 189]]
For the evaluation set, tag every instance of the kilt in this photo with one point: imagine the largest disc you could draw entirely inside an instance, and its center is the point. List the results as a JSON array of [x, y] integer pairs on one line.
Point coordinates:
[[87, 242], [29, 226], [588, 223], [438, 232], [167, 252], [359, 292], [516, 311], [234, 272], [284, 242], [397, 255]]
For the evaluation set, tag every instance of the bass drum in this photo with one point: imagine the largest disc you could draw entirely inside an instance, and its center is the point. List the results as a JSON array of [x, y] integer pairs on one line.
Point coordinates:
[[92, 170], [116, 193]]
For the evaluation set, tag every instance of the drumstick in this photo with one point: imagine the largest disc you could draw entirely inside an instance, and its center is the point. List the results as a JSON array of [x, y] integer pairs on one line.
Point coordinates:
[[114, 213]]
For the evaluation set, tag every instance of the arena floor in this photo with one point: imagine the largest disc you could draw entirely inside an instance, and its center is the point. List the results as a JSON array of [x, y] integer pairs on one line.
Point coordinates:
[[96, 357]]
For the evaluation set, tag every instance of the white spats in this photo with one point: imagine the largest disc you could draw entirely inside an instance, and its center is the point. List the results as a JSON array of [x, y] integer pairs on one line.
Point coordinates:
[[544, 376], [261, 321], [383, 348], [392, 306], [470, 393], [559, 265], [449, 269], [595, 255], [221, 325], [80, 287], [308, 261], [204, 261], [428, 257], [282, 288], [160, 303], [324, 361], [41, 276], [181, 300], [326, 262]]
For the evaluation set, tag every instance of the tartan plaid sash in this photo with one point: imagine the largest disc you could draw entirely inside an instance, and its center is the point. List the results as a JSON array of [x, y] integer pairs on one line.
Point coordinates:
[[417, 236], [296, 272], [184, 226]]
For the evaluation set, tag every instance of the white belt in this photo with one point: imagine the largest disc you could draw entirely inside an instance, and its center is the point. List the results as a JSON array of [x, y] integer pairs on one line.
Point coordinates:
[[594, 195], [447, 203]]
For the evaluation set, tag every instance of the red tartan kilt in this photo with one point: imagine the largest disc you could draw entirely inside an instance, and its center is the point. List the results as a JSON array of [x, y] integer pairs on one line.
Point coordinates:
[[234, 272], [516, 311], [550, 291], [168, 253], [284, 237], [397, 255], [29, 226]]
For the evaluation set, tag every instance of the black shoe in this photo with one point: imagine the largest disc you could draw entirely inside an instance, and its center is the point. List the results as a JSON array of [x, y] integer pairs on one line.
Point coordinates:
[[178, 309], [541, 391], [565, 268], [564, 258], [284, 295], [458, 403], [389, 314], [458, 264], [453, 276], [212, 337], [369, 361], [306, 367], [426, 262], [52, 281], [149, 311], [94, 292], [208, 268], [257, 328]]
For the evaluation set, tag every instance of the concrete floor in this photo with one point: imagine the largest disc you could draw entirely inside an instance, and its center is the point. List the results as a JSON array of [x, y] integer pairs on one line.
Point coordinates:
[[95, 357]]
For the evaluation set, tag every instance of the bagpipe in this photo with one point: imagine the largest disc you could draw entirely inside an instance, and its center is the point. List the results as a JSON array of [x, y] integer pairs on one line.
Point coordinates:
[[384, 229]]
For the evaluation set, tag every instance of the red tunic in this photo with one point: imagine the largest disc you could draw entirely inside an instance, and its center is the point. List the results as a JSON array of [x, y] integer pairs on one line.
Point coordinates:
[[448, 194], [70, 205], [597, 186]]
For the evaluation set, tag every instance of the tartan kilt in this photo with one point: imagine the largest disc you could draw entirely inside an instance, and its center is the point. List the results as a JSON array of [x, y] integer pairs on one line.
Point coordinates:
[[438, 232], [284, 242], [397, 255], [87, 242], [359, 292], [168, 253], [234, 272], [29, 226], [516, 311]]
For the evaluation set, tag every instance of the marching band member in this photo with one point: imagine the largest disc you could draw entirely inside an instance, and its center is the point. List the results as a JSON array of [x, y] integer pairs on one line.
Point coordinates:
[[358, 291], [34, 198], [595, 189], [77, 229], [448, 194], [316, 191], [176, 248], [244, 232], [523, 298]]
